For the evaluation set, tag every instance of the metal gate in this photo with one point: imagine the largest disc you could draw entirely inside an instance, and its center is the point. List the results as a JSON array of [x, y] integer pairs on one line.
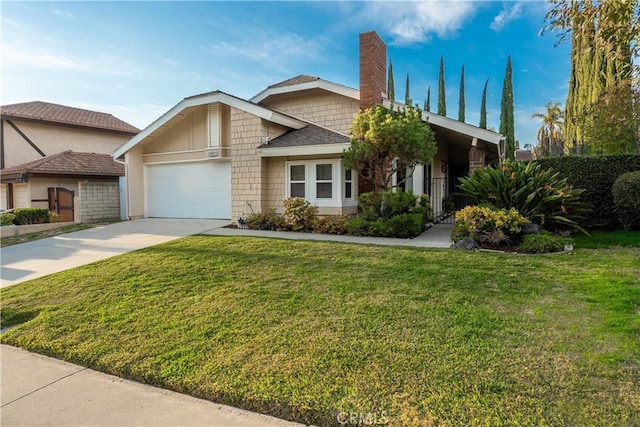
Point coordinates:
[[445, 199]]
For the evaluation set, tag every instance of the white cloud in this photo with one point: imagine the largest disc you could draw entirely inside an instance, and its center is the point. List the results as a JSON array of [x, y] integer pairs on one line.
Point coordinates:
[[63, 14], [415, 22], [509, 13]]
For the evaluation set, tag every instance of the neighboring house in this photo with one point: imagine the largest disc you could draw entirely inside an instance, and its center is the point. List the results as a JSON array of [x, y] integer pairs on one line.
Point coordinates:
[[218, 156], [48, 150]]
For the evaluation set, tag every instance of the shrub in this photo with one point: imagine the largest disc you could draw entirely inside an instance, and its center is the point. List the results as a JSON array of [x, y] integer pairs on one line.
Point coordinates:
[[626, 196], [266, 221], [386, 204], [425, 213], [24, 216], [596, 175], [331, 224], [7, 219], [55, 217], [299, 214], [543, 243], [487, 224], [538, 194], [406, 226], [358, 226]]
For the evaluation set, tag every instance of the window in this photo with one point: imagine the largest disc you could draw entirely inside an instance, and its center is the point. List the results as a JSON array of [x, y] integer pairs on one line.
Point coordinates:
[[324, 181], [297, 181], [348, 183]]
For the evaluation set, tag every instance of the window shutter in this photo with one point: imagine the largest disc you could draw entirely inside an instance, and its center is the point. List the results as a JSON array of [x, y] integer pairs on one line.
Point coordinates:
[[214, 125]]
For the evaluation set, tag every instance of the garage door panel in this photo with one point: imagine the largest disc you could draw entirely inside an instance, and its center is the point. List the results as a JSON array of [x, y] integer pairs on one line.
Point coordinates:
[[189, 190]]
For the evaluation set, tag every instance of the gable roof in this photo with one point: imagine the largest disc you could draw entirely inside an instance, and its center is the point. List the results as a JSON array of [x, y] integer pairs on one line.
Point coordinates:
[[69, 163], [309, 135], [209, 98], [305, 82], [62, 114]]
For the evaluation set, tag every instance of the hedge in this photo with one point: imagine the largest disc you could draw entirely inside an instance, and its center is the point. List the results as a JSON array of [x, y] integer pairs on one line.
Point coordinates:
[[25, 216], [596, 175]]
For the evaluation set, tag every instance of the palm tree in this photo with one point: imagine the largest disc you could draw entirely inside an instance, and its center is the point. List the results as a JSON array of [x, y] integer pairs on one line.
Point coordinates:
[[550, 135]]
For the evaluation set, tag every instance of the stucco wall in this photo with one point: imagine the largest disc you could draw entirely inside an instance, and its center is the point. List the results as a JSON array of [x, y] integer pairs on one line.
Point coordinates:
[[39, 186], [55, 139], [318, 106], [98, 201]]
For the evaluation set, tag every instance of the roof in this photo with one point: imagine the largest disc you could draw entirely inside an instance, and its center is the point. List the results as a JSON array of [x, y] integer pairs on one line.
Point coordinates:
[[305, 82], [62, 114], [70, 163], [309, 135], [524, 155], [190, 102]]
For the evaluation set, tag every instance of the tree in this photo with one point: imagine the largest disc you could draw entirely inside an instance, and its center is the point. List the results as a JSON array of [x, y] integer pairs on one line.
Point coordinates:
[[383, 141], [550, 135], [483, 107], [507, 121], [461, 107], [442, 102], [407, 95], [391, 87], [427, 102]]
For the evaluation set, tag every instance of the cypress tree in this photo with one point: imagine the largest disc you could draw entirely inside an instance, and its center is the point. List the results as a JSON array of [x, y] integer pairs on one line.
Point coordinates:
[[507, 124], [461, 106], [391, 87], [483, 107], [427, 102], [442, 102], [407, 96]]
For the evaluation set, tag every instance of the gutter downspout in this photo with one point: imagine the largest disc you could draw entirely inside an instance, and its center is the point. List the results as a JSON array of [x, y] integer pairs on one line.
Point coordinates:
[[126, 174]]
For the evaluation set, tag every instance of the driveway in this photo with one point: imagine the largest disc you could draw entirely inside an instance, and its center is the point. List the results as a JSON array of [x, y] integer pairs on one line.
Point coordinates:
[[39, 258]]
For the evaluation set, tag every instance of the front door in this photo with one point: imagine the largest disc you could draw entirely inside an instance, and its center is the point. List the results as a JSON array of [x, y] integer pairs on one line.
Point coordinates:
[[61, 202]]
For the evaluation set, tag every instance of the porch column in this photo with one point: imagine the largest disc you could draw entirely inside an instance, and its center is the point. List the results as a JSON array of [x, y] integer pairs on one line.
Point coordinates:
[[476, 158]]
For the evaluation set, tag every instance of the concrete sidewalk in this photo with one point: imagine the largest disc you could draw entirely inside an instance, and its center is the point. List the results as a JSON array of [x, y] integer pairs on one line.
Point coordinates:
[[39, 258], [40, 391], [438, 236]]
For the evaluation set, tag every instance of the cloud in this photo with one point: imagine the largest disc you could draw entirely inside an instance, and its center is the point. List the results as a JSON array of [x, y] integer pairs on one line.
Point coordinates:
[[63, 14], [509, 13], [417, 22]]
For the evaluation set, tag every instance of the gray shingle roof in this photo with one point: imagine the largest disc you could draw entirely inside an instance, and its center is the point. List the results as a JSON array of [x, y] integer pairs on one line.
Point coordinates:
[[302, 78], [55, 113], [70, 163], [308, 135]]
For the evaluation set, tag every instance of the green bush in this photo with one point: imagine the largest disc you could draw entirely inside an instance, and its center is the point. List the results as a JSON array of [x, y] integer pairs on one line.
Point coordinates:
[[266, 221], [543, 243], [626, 197], [7, 219], [331, 224], [596, 175], [386, 204], [406, 226], [488, 224], [299, 214], [358, 226], [24, 216], [538, 194]]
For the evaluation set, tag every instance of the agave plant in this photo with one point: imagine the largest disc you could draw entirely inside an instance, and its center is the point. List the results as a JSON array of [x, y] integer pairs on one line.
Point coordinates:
[[540, 195]]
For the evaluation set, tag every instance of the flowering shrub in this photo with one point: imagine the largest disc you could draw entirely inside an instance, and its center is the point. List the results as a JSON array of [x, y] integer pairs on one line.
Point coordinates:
[[299, 214], [487, 224]]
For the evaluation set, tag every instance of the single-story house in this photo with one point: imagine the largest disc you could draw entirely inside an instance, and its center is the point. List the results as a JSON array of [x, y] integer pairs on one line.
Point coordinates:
[[215, 155], [47, 150]]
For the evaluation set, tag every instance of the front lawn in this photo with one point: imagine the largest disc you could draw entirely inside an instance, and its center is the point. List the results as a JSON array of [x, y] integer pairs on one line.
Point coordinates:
[[309, 331]]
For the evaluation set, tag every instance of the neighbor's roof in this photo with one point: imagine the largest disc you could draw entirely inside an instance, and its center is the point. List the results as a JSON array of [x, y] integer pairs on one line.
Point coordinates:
[[309, 135], [305, 82], [69, 163], [55, 113]]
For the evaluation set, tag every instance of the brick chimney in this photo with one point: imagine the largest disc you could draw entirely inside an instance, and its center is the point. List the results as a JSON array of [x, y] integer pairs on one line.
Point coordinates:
[[373, 69]]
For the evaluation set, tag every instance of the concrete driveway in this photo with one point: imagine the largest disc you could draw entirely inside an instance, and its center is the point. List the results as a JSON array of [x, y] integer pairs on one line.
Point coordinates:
[[39, 258]]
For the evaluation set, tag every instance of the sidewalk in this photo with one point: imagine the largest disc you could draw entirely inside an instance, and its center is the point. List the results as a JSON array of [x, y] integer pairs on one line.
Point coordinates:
[[438, 236], [41, 391]]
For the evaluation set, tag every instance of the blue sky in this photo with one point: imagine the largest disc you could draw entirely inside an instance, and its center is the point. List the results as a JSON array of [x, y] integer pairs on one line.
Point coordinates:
[[138, 59]]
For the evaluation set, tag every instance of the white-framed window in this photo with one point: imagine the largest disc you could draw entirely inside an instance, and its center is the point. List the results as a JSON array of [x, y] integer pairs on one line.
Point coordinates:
[[322, 182]]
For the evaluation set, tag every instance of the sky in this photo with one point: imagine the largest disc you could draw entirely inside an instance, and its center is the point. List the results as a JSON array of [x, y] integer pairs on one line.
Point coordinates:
[[136, 60]]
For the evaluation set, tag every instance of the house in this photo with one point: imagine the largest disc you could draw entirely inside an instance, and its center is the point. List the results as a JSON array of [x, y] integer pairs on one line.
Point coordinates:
[[215, 155], [50, 154]]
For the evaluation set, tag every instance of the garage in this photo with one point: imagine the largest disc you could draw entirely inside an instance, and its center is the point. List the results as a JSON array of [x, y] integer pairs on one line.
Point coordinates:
[[188, 190]]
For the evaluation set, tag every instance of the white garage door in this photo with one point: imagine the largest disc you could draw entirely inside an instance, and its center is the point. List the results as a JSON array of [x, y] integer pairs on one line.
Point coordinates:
[[189, 190]]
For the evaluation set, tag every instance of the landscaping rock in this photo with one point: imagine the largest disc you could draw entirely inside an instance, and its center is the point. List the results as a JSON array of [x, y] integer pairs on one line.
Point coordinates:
[[466, 243], [531, 228]]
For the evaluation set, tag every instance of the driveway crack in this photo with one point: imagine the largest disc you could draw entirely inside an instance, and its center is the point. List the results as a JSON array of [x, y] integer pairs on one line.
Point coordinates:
[[44, 386]]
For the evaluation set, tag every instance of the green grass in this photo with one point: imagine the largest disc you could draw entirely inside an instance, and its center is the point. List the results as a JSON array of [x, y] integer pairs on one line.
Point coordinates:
[[306, 330], [604, 239], [8, 241]]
